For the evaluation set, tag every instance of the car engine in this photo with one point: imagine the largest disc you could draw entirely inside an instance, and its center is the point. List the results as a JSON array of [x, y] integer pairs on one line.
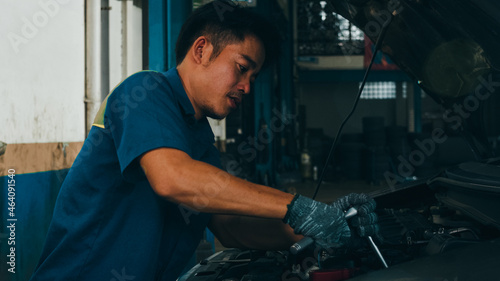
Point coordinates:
[[414, 226]]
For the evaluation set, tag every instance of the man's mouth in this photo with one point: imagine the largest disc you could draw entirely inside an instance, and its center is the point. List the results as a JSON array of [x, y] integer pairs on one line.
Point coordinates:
[[234, 101]]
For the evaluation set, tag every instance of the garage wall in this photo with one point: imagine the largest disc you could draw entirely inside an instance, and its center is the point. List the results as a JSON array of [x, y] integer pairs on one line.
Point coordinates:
[[327, 105], [42, 71], [42, 89], [42, 76]]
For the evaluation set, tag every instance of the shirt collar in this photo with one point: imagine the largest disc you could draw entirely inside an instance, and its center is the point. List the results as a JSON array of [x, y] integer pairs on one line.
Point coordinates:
[[185, 104], [180, 94]]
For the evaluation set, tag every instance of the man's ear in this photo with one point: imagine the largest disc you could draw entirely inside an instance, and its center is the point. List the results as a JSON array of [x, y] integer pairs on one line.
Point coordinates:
[[201, 50]]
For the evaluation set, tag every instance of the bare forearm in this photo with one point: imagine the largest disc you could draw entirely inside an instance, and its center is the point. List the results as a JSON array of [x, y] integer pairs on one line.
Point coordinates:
[[253, 233], [206, 188]]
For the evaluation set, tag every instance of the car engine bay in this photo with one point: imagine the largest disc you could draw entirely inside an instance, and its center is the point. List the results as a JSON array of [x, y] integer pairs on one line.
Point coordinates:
[[418, 221]]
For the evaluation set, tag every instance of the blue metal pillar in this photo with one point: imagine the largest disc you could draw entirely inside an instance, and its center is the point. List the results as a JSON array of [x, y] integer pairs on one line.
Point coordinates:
[[263, 108], [157, 10], [264, 136], [165, 21], [286, 81], [177, 12]]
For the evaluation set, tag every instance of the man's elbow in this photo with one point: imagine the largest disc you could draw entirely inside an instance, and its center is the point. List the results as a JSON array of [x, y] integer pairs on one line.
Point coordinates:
[[171, 190], [164, 190], [168, 186]]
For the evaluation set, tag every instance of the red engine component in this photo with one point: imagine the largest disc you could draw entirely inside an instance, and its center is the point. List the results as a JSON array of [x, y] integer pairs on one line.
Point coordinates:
[[331, 274]]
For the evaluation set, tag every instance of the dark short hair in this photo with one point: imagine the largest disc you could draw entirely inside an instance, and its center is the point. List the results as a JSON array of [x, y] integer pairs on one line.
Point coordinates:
[[224, 23]]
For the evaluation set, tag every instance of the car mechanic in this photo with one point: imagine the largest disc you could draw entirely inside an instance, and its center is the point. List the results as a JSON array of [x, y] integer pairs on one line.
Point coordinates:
[[148, 181]]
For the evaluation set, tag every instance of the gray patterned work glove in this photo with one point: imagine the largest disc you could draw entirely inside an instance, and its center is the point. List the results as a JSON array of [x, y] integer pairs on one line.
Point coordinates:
[[365, 222], [324, 223]]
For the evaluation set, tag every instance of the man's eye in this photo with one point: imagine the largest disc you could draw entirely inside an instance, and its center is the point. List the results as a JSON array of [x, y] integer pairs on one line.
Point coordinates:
[[243, 69]]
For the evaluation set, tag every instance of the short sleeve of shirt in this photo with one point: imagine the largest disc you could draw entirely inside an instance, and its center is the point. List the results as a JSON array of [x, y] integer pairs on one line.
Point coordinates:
[[142, 114]]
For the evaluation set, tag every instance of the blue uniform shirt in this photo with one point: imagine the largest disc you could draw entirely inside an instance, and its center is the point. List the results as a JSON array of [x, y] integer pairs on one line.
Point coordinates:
[[108, 223]]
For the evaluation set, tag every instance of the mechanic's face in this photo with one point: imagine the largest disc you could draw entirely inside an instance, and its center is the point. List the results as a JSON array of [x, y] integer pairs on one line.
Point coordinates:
[[228, 77]]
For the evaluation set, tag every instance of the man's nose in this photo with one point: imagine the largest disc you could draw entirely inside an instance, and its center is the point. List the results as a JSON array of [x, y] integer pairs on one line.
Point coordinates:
[[244, 86]]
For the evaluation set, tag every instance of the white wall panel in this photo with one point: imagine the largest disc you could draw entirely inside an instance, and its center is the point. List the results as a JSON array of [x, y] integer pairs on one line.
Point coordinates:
[[42, 71], [134, 38], [115, 44], [125, 40]]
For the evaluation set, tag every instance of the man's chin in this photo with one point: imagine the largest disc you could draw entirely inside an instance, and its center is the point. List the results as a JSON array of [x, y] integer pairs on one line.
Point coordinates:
[[216, 116]]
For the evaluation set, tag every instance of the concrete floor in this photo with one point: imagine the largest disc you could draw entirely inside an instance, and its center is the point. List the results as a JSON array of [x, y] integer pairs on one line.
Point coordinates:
[[328, 192]]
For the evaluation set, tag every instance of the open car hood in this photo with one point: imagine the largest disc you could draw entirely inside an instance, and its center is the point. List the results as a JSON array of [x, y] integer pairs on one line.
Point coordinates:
[[445, 45], [451, 48]]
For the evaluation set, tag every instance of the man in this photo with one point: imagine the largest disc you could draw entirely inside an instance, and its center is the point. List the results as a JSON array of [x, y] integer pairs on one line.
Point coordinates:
[[146, 182]]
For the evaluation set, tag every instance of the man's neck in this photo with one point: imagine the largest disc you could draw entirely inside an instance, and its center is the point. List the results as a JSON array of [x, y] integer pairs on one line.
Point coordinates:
[[186, 83]]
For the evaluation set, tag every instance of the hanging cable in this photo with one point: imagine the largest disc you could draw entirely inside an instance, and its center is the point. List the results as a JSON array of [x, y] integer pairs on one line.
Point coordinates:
[[378, 45]]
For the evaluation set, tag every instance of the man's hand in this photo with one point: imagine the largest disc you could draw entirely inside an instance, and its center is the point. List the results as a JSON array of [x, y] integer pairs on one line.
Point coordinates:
[[324, 223], [365, 222]]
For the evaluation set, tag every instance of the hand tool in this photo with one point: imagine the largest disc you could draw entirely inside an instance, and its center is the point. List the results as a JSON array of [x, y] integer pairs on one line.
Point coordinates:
[[377, 251], [305, 242]]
